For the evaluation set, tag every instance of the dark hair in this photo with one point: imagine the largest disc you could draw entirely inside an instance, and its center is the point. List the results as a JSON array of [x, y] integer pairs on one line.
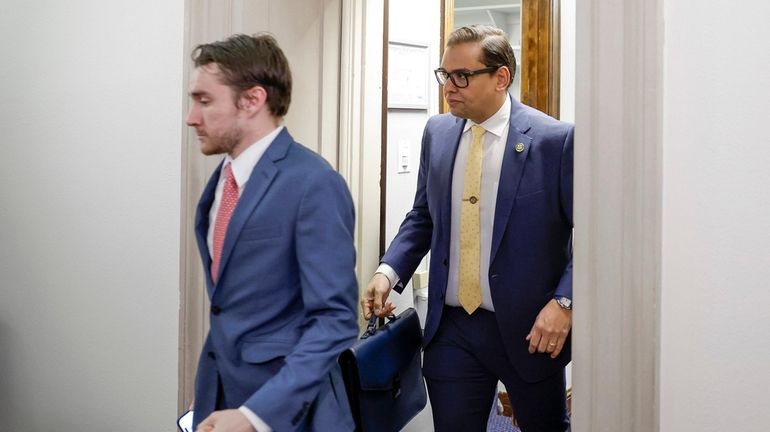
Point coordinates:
[[496, 50], [248, 61]]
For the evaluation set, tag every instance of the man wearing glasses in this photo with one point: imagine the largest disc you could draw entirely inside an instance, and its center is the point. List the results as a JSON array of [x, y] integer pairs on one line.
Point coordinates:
[[494, 207]]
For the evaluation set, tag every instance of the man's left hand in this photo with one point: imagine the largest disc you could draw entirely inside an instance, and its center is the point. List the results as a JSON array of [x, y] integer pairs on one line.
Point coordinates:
[[226, 421], [550, 330]]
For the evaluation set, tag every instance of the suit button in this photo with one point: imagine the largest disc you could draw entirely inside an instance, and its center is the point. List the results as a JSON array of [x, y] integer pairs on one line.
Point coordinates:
[[215, 310], [494, 276], [441, 296], [444, 262], [212, 356]]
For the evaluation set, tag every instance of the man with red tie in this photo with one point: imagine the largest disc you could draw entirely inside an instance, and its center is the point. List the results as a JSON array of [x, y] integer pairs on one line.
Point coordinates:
[[275, 231]]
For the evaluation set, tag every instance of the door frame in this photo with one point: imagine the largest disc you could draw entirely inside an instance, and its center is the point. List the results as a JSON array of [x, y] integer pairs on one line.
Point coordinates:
[[618, 196]]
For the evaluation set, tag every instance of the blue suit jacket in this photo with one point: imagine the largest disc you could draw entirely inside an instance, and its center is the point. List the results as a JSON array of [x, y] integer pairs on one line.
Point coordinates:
[[284, 305], [531, 258]]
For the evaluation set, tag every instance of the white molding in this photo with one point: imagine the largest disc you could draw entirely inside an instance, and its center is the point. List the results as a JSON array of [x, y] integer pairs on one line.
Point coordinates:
[[205, 20], [329, 82], [361, 123], [618, 198]]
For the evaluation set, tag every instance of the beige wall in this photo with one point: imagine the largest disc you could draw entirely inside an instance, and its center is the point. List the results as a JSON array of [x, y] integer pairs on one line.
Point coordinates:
[[89, 223]]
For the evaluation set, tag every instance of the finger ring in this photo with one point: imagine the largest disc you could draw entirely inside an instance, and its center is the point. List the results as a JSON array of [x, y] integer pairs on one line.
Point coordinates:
[[552, 344]]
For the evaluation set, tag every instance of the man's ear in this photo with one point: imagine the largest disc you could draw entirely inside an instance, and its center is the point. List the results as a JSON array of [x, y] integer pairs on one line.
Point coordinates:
[[253, 100], [503, 77]]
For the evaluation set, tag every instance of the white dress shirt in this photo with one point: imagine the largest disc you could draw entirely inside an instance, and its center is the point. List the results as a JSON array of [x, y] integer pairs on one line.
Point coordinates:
[[242, 167], [493, 146]]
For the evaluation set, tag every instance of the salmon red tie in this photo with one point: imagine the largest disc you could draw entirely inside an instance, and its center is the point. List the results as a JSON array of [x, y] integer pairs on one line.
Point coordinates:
[[226, 207]]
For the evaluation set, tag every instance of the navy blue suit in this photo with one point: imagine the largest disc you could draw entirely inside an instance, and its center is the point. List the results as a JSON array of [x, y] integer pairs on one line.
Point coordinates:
[[284, 304], [530, 259]]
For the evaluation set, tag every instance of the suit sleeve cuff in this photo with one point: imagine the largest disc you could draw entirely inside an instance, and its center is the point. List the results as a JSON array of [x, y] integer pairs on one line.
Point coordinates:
[[256, 422], [389, 273]]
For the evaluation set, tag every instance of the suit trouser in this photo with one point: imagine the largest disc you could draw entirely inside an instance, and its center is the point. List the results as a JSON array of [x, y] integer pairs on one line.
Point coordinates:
[[462, 366]]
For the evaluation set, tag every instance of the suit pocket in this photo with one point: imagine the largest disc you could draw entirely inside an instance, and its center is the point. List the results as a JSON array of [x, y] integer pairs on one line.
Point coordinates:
[[264, 351], [261, 233], [529, 194]]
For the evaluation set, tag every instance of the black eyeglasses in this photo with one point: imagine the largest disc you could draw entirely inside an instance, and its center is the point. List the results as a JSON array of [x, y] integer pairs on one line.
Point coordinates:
[[460, 77]]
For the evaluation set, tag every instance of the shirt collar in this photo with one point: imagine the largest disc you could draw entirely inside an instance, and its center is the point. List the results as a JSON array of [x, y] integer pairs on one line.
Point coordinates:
[[244, 164], [497, 123]]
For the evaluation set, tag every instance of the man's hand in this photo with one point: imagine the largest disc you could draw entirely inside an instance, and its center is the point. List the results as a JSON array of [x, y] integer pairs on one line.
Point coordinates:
[[230, 420], [374, 297], [550, 330]]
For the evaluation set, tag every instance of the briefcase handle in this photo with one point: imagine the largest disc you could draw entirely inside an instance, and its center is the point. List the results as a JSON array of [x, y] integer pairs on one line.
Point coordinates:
[[371, 328]]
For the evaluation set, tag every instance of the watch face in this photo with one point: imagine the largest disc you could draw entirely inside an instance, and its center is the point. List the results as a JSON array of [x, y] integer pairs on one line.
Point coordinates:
[[564, 302]]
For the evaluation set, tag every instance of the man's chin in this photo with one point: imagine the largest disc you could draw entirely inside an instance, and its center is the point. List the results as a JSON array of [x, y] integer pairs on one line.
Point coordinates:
[[456, 111], [210, 150]]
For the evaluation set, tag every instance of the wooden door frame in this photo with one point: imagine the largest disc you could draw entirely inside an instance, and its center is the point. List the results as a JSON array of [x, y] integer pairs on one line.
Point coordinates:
[[541, 53]]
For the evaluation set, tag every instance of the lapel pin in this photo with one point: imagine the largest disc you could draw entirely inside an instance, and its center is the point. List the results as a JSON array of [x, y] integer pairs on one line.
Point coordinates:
[[519, 147]]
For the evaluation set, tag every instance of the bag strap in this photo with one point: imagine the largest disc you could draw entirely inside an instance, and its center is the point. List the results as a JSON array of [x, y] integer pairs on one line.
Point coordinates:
[[371, 327]]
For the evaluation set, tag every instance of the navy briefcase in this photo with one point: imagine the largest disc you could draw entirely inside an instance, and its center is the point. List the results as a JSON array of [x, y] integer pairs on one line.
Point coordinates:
[[383, 374]]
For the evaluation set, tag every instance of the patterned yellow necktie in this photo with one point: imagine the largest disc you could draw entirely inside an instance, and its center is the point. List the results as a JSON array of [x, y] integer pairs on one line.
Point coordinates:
[[470, 249]]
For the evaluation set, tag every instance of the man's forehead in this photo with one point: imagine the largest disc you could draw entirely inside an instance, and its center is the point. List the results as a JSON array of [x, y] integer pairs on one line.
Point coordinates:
[[205, 76], [462, 56]]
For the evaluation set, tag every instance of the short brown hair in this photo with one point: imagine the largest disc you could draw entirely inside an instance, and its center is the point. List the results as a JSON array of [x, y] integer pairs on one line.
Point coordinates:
[[496, 50], [248, 61]]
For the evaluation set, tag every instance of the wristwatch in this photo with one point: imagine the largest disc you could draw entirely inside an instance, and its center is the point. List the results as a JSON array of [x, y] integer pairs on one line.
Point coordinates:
[[564, 302]]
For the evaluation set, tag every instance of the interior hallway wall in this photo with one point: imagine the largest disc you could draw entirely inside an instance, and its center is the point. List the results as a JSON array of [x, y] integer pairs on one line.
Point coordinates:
[[414, 23], [716, 207], [91, 127]]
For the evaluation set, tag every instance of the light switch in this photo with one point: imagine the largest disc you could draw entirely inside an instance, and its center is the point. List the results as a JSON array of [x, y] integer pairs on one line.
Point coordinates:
[[420, 279], [404, 157]]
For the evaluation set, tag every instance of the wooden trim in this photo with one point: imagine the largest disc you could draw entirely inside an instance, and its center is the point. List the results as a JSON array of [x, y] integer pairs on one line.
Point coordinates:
[[618, 196], [540, 52]]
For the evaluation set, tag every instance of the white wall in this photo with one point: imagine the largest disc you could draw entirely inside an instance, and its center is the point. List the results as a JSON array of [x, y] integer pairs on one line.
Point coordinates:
[[411, 22], [716, 235], [89, 223], [568, 22]]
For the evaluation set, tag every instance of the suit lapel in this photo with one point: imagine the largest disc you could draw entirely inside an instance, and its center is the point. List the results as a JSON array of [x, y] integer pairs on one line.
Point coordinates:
[[259, 182], [511, 172], [202, 220], [445, 167]]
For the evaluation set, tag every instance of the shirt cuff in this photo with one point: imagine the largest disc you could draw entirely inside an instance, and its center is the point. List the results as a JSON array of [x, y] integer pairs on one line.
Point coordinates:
[[259, 425], [389, 273]]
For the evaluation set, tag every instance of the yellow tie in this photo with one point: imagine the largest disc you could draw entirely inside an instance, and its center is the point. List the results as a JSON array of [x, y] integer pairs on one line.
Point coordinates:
[[470, 249]]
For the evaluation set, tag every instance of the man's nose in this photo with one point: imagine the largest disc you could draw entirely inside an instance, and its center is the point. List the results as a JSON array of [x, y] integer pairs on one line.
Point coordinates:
[[449, 86], [193, 117]]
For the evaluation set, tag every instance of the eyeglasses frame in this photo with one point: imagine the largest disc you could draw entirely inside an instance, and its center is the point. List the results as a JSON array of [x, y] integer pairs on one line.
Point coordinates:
[[464, 72]]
